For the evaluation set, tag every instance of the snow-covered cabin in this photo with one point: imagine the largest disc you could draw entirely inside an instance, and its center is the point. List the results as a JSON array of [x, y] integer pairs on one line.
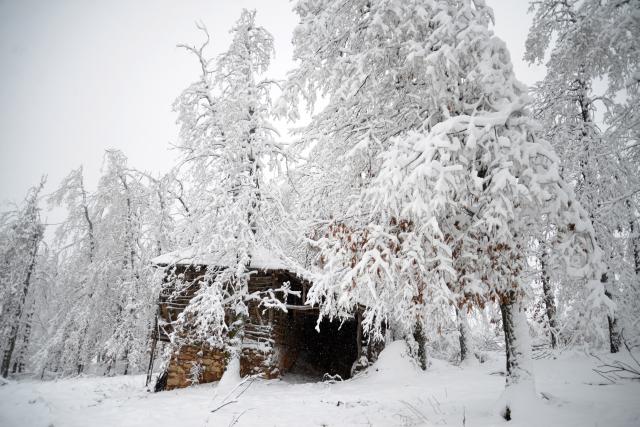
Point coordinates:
[[275, 341]]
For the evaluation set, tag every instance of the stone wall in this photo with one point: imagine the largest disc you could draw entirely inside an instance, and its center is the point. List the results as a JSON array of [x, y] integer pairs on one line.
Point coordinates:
[[193, 365]]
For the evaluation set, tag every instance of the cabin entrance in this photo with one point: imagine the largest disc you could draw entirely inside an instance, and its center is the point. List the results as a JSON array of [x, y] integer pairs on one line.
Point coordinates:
[[312, 354]]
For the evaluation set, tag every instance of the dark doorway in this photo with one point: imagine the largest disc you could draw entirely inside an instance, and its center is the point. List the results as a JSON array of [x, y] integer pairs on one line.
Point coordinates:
[[331, 351]]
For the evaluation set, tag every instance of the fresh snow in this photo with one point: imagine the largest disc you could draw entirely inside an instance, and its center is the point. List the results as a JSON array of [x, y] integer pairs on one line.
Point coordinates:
[[393, 392], [261, 258]]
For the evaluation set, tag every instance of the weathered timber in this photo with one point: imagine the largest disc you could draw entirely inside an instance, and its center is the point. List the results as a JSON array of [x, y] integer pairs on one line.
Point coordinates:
[[273, 342]]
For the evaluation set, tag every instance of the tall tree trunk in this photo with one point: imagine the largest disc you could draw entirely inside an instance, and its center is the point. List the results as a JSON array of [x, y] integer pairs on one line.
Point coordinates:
[[163, 210], [87, 218], [636, 251], [81, 346], [253, 173], [520, 378], [15, 327], [129, 245], [125, 358], [614, 332], [418, 335], [635, 239], [109, 366], [549, 300], [6, 357], [466, 345], [584, 103], [19, 360]]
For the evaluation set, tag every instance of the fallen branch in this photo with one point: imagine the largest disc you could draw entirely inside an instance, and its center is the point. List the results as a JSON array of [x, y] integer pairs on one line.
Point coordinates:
[[619, 370]]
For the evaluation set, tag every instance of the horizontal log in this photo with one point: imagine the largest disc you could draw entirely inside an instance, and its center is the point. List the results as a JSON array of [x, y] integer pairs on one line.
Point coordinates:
[[301, 307]]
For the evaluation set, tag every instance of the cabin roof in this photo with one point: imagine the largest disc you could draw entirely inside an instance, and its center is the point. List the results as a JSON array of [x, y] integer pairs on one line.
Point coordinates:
[[261, 258]]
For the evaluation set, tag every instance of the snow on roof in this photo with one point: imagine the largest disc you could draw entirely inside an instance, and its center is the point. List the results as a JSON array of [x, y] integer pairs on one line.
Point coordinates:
[[261, 258]]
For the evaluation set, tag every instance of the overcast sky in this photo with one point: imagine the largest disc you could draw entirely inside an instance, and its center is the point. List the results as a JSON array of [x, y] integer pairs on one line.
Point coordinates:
[[77, 77]]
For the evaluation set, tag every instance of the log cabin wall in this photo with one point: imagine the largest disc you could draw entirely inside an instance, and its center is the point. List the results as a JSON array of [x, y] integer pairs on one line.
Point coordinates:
[[172, 301], [268, 345], [272, 341], [189, 364]]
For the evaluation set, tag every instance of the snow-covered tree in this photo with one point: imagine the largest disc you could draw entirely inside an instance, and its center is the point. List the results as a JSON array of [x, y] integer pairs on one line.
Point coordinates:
[[126, 294], [587, 103], [21, 232], [74, 279], [355, 56], [228, 144], [104, 292], [428, 142]]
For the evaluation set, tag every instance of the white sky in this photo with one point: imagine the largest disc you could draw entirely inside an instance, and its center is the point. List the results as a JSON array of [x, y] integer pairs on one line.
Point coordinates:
[[77, 77]]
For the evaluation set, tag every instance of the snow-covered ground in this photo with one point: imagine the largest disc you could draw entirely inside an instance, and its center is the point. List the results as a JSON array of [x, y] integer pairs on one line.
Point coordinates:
[[392, 393]]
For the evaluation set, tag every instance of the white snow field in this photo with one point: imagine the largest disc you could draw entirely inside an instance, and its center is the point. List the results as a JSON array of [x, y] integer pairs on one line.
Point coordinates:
[[391, 393]]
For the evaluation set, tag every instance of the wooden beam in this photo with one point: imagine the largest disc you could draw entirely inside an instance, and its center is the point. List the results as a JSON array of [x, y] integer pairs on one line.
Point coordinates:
[[300, 307]]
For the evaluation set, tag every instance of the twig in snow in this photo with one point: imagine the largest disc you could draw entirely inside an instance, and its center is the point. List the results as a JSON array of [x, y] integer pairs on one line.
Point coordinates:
[[225, 400], [247, 387], [617, 369], [605, 377], [241, 383], [223, 405]]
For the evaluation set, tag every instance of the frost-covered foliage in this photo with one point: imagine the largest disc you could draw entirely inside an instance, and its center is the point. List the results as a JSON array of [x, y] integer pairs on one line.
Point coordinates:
[[430, 163], [587, 103], [596, 43], [228, 141], [228, 144], [203, 319], [426, 195], [21, 233], [104, 287]]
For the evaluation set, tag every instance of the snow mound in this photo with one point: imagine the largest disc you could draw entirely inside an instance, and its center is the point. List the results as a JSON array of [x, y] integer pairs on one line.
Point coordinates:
[[231, 377], [520, 402], [394, 362], [261, 258]]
